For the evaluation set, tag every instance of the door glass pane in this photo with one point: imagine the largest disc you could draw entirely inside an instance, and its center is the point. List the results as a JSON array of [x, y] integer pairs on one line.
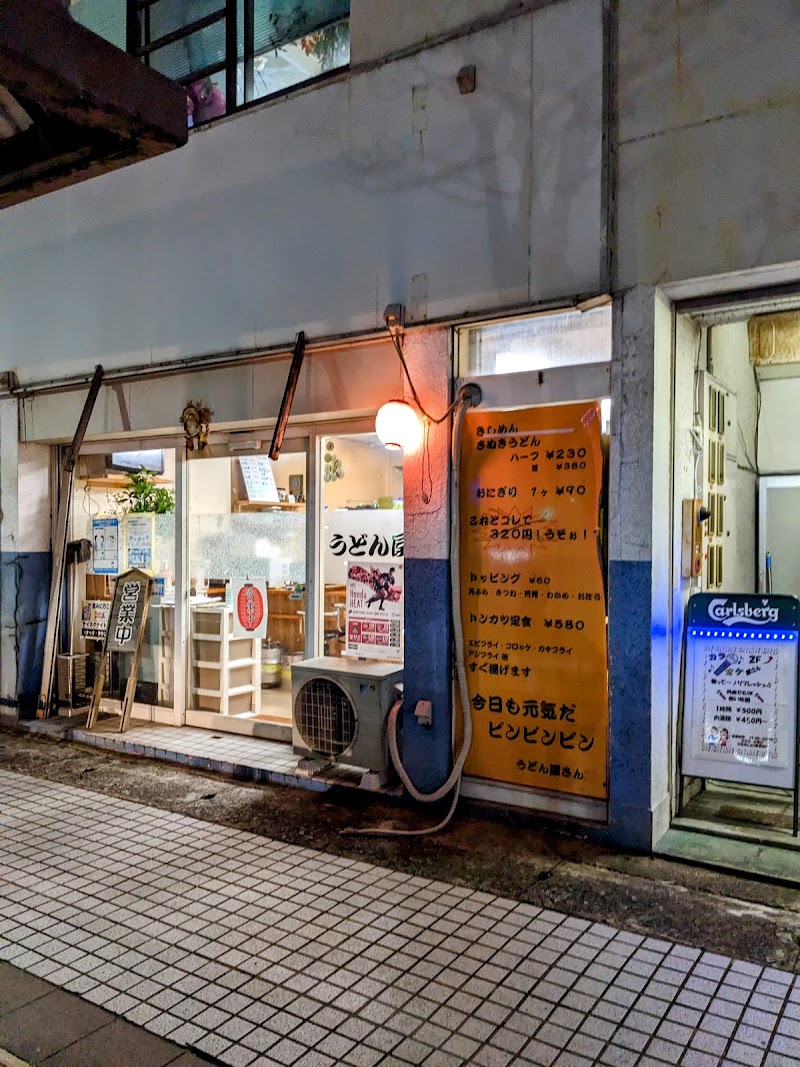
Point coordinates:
[[124, 507], [247, 520], [362, 501]]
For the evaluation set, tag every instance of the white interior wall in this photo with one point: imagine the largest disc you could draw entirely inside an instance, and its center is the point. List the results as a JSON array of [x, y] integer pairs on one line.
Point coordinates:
[[369, 473], [779, 426], [209, 486], [729, 364], [315, 211]]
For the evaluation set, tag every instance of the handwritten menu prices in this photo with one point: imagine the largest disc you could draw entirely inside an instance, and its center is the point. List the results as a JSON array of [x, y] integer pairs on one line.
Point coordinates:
[[742, 688], [533, 597]]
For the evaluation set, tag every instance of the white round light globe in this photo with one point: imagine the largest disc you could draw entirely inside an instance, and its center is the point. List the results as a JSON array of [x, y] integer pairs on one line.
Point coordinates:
[[398, 426]]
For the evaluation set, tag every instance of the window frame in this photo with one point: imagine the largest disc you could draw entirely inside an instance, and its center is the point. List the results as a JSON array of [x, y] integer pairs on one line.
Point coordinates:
[[140, 45]]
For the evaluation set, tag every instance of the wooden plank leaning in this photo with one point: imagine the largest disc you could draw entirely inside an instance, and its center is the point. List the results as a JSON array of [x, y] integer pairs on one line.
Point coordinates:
[[45, 704]]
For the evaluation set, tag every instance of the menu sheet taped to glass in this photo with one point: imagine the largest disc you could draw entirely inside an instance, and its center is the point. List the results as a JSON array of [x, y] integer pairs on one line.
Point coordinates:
[[533, 597]]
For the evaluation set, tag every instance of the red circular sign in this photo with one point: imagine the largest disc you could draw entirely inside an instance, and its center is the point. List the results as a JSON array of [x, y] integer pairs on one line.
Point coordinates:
[[250, 607]]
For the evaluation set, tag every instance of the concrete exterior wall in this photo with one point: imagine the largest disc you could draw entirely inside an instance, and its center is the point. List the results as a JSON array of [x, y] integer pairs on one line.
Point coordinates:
[[381, 27], [24, 565], [315, 211], [708, 100], [639, 534]]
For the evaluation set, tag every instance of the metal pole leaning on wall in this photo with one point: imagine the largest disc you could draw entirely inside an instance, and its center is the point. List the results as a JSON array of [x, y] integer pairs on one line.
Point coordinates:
[[60, 549], [288, 396]]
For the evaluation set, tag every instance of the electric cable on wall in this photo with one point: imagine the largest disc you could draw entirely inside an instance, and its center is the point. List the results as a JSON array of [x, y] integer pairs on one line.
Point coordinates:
[[468, 396]]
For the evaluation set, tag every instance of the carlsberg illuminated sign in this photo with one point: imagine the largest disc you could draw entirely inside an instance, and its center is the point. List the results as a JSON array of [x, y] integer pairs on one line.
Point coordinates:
[[729, 612]]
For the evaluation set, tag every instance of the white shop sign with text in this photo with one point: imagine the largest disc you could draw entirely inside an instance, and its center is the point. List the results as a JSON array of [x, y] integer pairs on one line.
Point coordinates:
[[375, 534]]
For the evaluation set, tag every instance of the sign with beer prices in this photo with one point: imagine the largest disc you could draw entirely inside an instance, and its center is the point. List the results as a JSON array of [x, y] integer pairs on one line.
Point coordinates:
[[533, 597], [249, 607]]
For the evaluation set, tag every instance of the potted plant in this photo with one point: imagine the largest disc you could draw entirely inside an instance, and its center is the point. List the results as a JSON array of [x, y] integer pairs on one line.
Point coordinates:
[[141, 495]]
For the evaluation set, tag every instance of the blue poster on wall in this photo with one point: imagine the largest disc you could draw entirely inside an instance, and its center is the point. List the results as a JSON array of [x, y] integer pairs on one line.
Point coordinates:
[[105, 544]]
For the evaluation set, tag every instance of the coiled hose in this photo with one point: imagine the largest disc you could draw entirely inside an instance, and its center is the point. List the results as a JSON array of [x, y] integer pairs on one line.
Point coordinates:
[[468, 397]]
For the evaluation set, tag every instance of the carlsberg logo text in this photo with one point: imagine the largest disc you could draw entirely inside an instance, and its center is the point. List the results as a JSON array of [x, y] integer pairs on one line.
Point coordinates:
[[729, 612]]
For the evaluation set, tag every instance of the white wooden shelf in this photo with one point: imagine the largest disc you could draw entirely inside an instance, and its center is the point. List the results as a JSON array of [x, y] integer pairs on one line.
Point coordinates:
[[228, 683]]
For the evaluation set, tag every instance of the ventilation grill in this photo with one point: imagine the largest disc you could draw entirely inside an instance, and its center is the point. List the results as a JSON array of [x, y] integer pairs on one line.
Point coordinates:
[[325, 717]]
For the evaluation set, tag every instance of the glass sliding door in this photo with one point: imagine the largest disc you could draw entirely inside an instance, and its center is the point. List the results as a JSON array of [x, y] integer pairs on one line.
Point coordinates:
[[247, 519], [361, 500], [124, 508]]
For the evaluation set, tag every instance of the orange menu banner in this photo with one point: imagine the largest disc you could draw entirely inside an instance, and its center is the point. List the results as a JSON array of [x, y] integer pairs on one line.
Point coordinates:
[[533, 597]]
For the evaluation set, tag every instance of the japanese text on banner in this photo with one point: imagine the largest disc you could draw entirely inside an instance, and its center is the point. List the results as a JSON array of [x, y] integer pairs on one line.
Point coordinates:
[[533, 597]]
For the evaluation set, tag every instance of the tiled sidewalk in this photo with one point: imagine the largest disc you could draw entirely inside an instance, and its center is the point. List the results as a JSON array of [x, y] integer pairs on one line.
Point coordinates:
[[263, 953], [249, 757]]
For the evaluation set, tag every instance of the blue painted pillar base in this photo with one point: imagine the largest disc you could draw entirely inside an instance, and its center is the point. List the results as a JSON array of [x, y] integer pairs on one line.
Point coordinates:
[[629, 646], [427, 671], [25, 597]]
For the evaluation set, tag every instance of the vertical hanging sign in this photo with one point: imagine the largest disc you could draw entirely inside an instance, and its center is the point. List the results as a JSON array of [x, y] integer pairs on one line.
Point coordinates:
[[533, 597]]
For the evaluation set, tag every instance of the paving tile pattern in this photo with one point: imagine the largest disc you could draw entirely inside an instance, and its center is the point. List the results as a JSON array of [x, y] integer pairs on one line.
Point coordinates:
[[262, 953], [248, 757]]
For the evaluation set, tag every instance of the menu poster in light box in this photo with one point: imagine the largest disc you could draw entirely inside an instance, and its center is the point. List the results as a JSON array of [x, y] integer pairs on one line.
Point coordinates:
[[740, 709], [140, 536], [105, 544], [375, 609], [259, 481]]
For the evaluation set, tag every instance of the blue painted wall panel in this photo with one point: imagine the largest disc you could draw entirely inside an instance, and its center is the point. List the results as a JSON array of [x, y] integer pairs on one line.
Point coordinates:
[[427, 671], [629, 624], [26, 580]]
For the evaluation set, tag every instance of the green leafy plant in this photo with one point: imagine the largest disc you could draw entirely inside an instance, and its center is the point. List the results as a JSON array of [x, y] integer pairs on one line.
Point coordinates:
[[330, 45], [142, 495]]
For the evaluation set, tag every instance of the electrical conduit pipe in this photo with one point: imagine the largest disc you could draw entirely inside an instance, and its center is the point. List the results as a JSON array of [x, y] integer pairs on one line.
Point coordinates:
[[469, 396]]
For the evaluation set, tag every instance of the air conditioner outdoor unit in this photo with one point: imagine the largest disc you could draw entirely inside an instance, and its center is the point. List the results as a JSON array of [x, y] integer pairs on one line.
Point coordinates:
[[340, 708]]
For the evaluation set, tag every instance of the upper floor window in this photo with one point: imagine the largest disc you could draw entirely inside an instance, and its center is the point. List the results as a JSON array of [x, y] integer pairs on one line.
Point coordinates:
[[227, 53]]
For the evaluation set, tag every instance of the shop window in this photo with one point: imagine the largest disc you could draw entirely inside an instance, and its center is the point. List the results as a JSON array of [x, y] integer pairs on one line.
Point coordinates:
[[247, 520], [536, 343], [362, 520], [124, 506]]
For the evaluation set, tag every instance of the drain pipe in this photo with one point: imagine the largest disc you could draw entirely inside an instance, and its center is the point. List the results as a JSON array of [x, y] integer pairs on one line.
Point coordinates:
[[469, 396]]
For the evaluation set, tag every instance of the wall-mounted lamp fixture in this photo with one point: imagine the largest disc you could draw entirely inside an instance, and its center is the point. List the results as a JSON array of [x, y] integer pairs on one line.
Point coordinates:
[[398, 426]]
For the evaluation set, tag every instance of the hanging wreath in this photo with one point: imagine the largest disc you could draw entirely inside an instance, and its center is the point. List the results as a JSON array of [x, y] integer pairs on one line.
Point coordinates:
[[196, 420]]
